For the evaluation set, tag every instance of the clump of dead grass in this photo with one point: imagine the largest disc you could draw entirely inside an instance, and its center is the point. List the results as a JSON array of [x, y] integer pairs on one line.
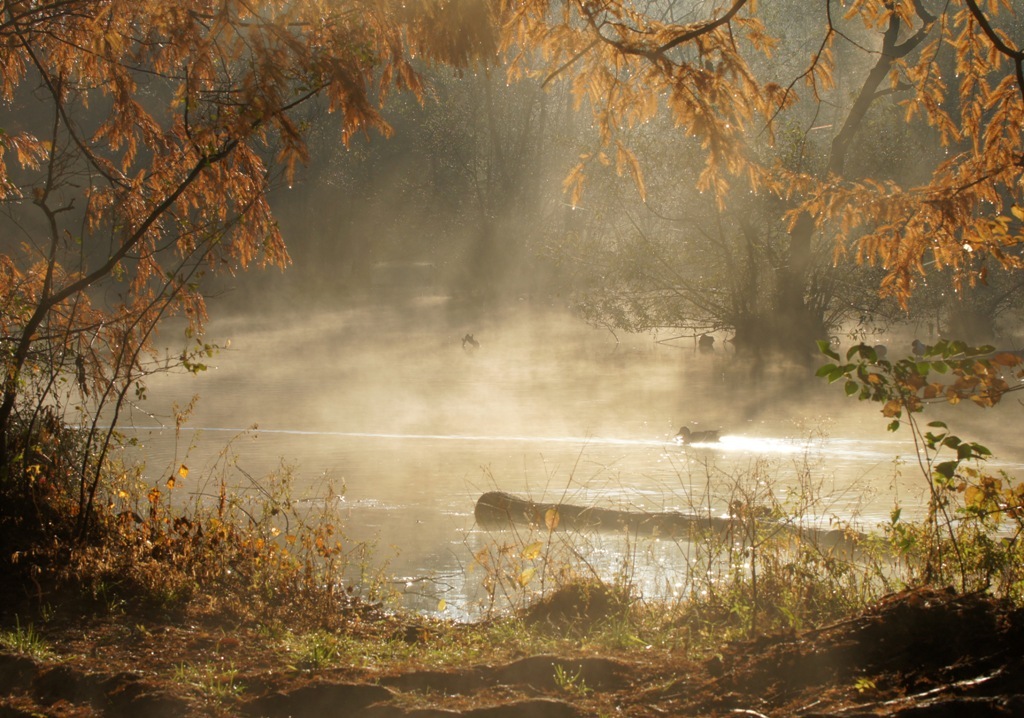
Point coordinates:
[[223, 553]]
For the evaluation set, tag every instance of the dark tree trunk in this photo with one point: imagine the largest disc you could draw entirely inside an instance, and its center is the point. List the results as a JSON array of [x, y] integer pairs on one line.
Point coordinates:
[[797, 323]]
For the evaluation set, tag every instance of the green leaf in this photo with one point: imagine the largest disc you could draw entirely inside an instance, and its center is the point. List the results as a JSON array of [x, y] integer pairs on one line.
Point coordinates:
[[893, 425], [938, 424], [825, 370], [946, 468], [825, 347], [981, 450], [852, 387], [867, 353]]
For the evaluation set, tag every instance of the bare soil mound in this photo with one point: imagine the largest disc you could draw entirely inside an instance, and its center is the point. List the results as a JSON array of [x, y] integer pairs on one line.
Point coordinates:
[[919, 653], [916, 653]]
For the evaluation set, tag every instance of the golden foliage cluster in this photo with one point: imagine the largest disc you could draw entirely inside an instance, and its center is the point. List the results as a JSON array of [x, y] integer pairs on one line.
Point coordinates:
[[966, 209], [626, 66], [627, 63], [144, 136], [189, 96]]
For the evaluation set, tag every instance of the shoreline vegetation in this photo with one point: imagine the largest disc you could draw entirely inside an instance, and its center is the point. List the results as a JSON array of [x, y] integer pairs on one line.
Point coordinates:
[[252, 605]]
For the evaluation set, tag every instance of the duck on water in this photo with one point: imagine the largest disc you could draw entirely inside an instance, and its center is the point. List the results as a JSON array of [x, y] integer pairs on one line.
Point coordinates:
[[685, 436]]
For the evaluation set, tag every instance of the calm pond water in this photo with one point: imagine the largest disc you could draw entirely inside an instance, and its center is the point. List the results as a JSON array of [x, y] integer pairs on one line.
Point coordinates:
[[387, 403]]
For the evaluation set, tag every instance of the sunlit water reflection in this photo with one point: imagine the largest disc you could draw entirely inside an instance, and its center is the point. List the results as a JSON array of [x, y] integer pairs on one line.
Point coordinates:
[[386, 402]]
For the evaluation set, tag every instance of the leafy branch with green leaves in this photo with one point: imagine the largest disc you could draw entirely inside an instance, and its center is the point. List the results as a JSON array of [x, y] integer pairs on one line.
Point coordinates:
[[951, 372]]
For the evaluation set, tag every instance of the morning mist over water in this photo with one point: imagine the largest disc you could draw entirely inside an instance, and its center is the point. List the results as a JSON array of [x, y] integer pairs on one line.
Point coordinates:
[[411, 425]]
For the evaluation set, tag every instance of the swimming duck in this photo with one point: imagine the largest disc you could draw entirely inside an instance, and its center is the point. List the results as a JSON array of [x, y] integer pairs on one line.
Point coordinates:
[[686, 436]]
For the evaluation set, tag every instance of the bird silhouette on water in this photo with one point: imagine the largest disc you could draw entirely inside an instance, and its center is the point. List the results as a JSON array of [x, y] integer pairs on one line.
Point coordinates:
[[685, 436]]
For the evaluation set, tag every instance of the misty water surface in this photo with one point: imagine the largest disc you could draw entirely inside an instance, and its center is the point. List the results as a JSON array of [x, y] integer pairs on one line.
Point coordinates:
[[387, 403]]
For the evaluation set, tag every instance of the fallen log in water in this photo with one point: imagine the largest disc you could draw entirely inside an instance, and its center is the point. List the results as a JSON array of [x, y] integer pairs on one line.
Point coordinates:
[[500, 510]]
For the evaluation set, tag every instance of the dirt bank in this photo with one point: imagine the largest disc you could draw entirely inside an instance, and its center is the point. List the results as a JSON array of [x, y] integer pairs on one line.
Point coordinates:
[[917, 653]]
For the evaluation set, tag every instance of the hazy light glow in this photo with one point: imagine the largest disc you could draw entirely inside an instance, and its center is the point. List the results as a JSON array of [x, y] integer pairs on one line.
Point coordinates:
[[385, 403], [759, 445], [728, 444], [582, 440], [773, 446]]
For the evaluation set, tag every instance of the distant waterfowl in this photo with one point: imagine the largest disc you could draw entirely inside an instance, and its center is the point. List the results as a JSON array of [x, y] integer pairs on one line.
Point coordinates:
[[686, 436], [469, 343]]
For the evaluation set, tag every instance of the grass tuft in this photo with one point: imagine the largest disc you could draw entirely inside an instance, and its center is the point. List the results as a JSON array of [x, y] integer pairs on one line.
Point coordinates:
[[26, 641]]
